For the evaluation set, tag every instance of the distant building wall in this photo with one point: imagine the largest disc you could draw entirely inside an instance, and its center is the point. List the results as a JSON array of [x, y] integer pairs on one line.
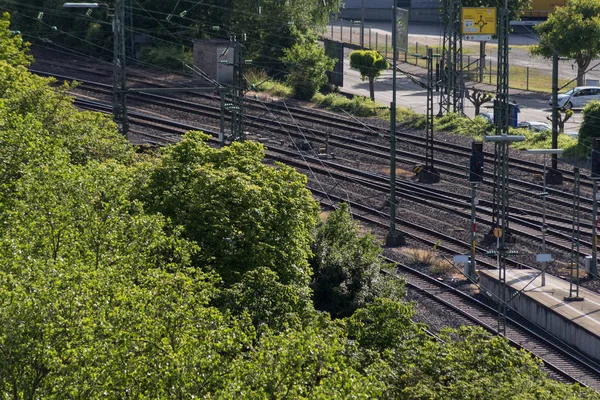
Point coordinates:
[[380, 10]]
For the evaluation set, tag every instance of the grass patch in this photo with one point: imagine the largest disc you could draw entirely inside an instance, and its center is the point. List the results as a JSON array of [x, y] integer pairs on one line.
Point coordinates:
[[261, 82], [173, 58], [357, 105], [436, 264], [456, 123], [542, 140]]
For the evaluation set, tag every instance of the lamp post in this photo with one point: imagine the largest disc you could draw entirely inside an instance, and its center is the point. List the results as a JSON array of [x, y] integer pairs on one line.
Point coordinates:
[[543, 258], [119, 98]]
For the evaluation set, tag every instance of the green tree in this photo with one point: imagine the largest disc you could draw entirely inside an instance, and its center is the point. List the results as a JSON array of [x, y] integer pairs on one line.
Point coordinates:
[[307, 67], [311, 363], [563, 32], [270, 304], [242, 213], [370, 64], [563, 117], [347, 267], [13, 49]]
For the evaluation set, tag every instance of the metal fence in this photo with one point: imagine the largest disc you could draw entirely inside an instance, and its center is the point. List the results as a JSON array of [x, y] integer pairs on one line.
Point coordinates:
[[521, 77]]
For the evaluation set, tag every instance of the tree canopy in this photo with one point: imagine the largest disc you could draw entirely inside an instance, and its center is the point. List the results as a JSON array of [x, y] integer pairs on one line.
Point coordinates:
[[186, 275], [564, 30], [370, 64]]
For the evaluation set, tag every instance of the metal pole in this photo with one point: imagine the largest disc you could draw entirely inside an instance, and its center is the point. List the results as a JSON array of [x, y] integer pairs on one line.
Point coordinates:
[[544, 225], [222, 124], [554, 108], [394, 238], [119, 68], [594, 263], [474, 201], [362, 25], [393, 125], [481, 60]]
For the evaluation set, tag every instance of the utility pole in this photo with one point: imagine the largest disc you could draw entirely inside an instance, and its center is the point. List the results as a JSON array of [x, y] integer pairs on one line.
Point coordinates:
[[394, 237], [238, 89], [362, 25], [499, 232], [574, 265], [554, 177], [451, 95], [119, 98], [544, 257], [501, 118], [429, 174], [595, 176]]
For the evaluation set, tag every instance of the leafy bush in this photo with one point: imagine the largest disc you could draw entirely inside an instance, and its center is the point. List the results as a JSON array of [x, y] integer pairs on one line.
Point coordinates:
[[589, 125], [456, 123], [307, 65], [169, 57], [258, 80], [347, 267], [411, 118], [358, 105]]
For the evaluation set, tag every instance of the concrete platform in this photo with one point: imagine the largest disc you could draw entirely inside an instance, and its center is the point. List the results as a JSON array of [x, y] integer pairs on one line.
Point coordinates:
[[574, 322]]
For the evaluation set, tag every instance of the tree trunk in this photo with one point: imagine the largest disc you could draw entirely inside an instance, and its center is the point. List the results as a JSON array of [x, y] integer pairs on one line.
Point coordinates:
[[372, 88], [477, 108], [582, 64]]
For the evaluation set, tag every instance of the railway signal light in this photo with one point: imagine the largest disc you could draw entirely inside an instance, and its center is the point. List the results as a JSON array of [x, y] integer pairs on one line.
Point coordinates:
[[596, 159], [476, 163]]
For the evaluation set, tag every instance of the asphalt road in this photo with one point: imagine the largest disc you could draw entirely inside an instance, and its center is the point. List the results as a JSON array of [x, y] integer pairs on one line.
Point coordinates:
[[533, 105]]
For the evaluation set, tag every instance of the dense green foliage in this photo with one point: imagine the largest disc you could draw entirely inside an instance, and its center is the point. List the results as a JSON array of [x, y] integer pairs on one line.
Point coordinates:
[[370, 64], [589, 125], [347, 268], [564, 30], [307, 67], [187, 275]]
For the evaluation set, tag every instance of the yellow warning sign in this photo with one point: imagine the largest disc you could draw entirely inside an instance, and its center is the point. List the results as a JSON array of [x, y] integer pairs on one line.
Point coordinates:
[[498, 232], [478, 21]]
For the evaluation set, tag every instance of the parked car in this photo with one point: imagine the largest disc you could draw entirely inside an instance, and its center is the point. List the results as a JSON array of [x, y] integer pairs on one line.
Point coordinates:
[[488, 116], [534, 126], [577, 97]]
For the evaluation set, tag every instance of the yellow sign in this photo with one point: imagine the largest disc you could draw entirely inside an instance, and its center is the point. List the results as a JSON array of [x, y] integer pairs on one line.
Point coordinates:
[[498, 232], [478, 21]]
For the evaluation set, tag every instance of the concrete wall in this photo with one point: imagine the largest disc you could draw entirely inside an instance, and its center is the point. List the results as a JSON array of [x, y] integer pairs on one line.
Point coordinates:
[[585, 341]]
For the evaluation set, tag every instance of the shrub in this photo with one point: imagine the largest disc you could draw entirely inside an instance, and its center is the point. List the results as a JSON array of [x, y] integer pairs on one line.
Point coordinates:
[[168, 57], [307, 65], [358, 105], [589, 126]]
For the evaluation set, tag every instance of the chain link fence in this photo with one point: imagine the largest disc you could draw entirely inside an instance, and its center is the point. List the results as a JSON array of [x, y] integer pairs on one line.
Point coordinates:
[[475, 69]]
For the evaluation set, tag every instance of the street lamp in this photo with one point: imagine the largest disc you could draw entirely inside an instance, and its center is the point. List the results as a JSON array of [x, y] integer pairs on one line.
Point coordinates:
[[543, 258], [119, 98]]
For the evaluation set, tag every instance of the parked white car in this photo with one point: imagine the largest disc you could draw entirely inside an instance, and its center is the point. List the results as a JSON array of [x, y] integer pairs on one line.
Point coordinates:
[[577, 97], [534, 126]]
